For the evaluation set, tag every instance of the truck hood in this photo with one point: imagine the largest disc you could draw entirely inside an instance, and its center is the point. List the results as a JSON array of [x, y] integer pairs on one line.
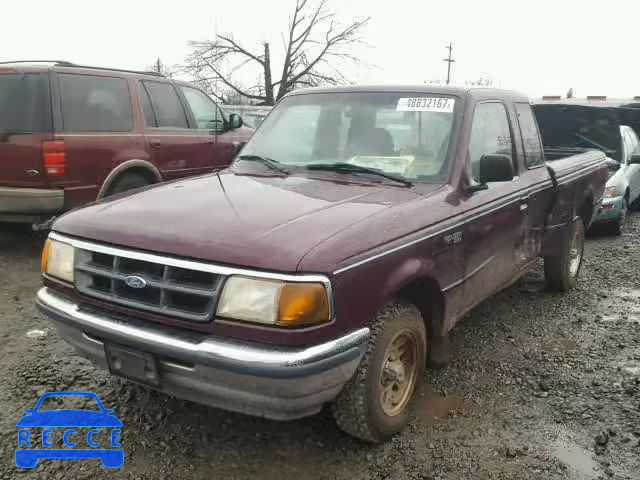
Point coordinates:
[[261, 222]]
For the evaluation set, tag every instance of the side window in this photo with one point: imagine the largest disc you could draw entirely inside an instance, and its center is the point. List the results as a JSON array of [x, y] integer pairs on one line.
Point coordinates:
[[490, 134], [630, 144], [166, 105], [95, 104], [533, 153], [205, 111]]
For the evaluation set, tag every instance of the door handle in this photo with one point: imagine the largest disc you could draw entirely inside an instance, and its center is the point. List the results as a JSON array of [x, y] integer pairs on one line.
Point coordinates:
[[524, 203], [211, 141], [155, 144]]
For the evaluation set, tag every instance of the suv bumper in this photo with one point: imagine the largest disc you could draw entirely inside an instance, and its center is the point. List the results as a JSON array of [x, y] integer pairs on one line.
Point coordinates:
[[269, 381], [30, 201]]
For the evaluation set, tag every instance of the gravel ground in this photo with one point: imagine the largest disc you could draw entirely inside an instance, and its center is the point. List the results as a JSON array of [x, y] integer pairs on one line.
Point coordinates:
[[541, 385]]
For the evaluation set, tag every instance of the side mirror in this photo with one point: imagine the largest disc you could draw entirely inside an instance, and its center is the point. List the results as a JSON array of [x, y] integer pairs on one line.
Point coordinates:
[[30, 410], [635, 159], [496, 168], [235, 121]]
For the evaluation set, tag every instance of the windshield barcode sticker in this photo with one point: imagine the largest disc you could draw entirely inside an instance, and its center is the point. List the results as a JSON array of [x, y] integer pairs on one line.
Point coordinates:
[[426, 104]]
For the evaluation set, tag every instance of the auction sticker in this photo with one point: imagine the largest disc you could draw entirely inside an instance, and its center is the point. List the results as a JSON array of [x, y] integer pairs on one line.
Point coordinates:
[[426, 104]]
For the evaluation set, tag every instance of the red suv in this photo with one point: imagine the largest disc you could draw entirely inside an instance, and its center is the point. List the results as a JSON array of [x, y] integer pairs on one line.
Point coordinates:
[[71, 134]]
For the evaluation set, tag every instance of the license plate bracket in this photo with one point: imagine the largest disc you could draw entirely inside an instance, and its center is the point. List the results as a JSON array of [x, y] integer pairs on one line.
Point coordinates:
[[132, 364]]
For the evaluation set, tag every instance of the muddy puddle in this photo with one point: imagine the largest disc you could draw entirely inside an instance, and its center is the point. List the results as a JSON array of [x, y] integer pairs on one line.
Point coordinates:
[[575, 458], [433, 407]]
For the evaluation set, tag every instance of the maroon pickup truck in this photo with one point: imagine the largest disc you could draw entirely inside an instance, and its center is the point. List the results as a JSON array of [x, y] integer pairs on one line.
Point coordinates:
[[329, 262]]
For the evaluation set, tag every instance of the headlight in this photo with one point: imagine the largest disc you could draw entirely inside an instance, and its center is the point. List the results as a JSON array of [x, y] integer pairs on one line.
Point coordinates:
[[57, 260], [610, 192], [274, 302]]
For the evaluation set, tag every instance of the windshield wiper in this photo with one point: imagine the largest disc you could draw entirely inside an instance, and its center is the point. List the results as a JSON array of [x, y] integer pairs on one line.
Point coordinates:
[[272, 164], [342, 167]]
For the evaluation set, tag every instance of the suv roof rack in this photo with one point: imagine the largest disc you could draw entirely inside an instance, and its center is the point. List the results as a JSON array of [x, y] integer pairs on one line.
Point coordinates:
[[65, 63]]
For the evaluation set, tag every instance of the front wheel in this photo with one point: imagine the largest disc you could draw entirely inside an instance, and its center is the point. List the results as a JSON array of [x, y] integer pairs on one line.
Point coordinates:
[[377, 402], [561, 271]]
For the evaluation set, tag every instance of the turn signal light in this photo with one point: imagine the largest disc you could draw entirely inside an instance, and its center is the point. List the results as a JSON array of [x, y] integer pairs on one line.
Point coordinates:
[[302, 304], [53, 156], [44, 260]]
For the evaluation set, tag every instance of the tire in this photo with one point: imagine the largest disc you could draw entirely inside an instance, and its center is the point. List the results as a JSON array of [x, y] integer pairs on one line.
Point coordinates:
[[560, 273], [359, 409], [618, 226], [128, 181]]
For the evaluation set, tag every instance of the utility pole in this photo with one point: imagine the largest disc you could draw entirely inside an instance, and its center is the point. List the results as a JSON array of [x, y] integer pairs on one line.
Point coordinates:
[[158, 66], [449, 61]]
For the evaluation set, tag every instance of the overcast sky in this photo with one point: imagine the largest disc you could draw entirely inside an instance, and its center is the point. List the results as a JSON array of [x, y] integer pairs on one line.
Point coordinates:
[[536, 46]]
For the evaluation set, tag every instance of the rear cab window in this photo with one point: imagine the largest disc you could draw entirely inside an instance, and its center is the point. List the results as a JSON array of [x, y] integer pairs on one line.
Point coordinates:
[[24, 103], [93, 103], [533, 152], [161, 106]]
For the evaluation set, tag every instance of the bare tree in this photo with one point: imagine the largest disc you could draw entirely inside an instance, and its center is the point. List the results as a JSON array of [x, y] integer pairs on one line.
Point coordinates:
[[483, 81], [313, 47], [159, 67]]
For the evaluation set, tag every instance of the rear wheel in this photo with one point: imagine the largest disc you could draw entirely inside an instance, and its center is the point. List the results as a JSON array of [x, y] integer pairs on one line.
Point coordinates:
[[128, 181], [561, 271], [377, 402]]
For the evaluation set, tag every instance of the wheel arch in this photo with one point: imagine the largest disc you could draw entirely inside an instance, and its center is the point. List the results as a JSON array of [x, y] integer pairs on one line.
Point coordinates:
[[414, 280], [135, 165]]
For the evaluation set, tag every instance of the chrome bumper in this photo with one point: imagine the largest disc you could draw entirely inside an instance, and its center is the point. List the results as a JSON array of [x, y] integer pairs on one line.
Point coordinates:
[[274, 382], [30, 201]]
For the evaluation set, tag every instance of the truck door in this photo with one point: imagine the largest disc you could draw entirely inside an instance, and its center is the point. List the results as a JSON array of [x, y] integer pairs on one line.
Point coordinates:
[[536, 196], [494, 215]]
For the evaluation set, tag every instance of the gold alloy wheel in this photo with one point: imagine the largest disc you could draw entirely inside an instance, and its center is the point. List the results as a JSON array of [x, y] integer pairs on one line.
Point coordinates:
[[399, 373]]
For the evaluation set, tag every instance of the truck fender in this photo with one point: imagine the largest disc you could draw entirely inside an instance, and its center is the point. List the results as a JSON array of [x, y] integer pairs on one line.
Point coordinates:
[[414, 279], [124, 166]]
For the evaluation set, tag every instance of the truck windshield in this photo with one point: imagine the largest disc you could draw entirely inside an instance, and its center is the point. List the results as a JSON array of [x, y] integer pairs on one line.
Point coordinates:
[[403, 135], [23, 103]]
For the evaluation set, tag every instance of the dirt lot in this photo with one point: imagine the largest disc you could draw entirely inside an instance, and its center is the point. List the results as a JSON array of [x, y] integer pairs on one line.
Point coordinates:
[[540, 386]]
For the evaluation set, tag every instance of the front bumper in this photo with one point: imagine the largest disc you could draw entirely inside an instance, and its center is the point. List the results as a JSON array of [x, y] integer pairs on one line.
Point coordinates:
[[274, 382], [30, 201], [610, 209]]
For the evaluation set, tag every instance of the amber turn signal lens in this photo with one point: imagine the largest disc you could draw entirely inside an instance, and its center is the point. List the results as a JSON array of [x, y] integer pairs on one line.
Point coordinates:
[[302, 304], [44, 260]]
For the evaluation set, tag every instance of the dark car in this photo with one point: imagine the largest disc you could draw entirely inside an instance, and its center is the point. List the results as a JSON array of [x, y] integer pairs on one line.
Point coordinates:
[[329, 262], [71, 134]]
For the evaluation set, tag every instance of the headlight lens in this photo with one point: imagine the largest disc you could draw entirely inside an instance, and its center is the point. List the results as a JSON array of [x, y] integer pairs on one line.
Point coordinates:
[[274, 302], [57, 260], [610, 192]]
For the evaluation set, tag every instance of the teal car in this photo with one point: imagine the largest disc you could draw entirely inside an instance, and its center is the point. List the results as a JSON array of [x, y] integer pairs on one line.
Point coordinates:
[[623, 185]]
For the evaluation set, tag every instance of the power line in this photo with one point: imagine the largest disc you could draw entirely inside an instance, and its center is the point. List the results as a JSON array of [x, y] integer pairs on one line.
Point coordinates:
[[449, 61]]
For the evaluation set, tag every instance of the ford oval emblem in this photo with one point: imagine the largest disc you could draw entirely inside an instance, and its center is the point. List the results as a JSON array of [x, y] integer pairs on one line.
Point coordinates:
[[134, 281]]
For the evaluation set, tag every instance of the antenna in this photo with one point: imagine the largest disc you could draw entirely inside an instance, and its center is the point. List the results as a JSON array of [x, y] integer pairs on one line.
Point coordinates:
[[449, 61]]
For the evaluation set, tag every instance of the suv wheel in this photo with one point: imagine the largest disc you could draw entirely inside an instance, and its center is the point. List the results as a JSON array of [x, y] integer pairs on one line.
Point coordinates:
[[377, 402], [561, 271], [128, 181]]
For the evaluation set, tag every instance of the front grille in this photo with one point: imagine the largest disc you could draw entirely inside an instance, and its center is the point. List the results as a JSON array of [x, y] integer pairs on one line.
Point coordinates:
[[168, 290]]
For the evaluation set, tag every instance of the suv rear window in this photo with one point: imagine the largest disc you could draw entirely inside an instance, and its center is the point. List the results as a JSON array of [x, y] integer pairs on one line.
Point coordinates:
[[95, 104], [24, 103]]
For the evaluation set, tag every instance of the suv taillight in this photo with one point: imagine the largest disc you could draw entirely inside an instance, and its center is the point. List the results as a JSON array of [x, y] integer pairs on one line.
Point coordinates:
[[53, 157]]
